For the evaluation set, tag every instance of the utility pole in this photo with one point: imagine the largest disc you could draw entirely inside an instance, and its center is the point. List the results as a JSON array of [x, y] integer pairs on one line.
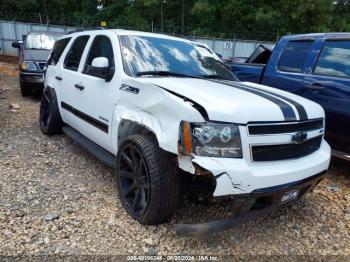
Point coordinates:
[[45, 11], [162, 15], [183, 18], [41, 22]]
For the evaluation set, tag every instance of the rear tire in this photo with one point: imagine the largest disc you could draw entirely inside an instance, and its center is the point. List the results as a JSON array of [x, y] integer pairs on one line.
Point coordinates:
[[50, 119], [147, 183], [25, 89]]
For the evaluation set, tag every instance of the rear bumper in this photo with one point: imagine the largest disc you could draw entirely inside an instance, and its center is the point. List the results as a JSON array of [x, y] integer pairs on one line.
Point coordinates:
[[35, 78], [258, 203]]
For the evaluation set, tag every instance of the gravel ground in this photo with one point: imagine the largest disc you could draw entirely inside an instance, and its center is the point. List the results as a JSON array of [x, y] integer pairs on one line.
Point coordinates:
[[57, 199]]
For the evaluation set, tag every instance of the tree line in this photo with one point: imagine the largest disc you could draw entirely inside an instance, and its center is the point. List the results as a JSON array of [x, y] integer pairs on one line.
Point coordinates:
[[257, 19]]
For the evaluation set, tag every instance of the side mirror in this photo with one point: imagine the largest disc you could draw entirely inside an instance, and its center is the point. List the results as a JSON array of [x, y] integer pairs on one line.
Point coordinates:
[[100, 62], [100, 68], [17, 44]]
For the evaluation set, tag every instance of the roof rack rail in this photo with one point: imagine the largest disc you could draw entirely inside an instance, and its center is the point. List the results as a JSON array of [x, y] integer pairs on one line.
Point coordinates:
[[85, 29]]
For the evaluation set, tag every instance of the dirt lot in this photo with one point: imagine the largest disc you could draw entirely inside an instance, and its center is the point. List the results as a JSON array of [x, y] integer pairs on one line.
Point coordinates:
[[57, 199]]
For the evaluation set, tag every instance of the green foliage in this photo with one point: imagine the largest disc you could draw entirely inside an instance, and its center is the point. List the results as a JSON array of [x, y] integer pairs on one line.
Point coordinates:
[[254, 19]]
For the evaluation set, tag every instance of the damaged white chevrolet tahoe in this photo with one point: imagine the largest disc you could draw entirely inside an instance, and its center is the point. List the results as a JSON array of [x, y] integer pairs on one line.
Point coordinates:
[[155, 106]]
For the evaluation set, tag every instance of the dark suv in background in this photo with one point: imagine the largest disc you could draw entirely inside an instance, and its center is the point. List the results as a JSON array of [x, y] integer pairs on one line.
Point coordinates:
[[33, 53]]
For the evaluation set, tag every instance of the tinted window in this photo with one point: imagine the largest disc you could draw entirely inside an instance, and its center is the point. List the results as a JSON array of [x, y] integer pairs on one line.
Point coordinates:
[[143, 54], [100, 47], [75, 52], [57, 51], [294, 56], [334, 59]]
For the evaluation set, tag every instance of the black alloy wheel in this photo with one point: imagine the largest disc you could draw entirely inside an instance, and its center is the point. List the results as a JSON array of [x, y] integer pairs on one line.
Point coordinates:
[[45, 108], [50, 119], [134, 180], [147, 181]]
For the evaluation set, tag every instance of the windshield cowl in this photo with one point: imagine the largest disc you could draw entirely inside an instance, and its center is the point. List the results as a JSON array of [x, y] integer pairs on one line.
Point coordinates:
[[175, 74]]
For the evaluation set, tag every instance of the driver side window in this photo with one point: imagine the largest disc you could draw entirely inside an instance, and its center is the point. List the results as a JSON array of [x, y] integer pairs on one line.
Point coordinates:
[[100, 47]]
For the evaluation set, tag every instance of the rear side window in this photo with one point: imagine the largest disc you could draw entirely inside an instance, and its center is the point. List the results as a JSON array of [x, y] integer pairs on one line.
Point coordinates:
[[75, 52], [57, 51], [334, 59], [100, 47], [294, 56]]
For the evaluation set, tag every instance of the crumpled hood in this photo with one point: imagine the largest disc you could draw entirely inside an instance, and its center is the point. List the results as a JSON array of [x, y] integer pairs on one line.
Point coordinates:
[[35, 55], [239, 102]]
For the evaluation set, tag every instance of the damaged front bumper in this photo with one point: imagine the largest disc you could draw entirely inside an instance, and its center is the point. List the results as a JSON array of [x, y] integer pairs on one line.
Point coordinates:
[[258, 203], [241, 176], [257, 189]]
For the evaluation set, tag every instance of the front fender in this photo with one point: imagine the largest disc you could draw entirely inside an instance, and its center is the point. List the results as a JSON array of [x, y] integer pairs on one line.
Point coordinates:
[[142, 118], [155, 109]]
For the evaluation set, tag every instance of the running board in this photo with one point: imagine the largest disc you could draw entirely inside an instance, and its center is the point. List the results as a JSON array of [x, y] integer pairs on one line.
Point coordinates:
[[341, 155], [98, 152]]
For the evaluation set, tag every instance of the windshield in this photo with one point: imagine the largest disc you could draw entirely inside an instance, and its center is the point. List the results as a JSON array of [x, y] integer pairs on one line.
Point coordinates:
[[40, 41], [151, 55]]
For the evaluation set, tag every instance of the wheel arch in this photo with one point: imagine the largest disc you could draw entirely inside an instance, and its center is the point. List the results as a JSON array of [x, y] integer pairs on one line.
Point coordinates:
[[50, 119], [57, 97], [131, 121], [128, 128]]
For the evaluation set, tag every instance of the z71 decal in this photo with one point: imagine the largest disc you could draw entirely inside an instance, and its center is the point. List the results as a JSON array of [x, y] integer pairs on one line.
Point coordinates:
[[129, 89]]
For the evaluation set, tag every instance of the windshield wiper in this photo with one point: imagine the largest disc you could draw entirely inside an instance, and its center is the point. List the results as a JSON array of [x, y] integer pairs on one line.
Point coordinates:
[[216, 77], [169, 73], [165, 73], [35, 48]]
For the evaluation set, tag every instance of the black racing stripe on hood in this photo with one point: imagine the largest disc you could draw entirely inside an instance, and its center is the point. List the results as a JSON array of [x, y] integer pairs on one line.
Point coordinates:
[[287, 110], [301, 110], [197, 106]]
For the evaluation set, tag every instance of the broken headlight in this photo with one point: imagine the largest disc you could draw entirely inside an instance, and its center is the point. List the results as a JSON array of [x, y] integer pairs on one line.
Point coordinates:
[[211, 139]]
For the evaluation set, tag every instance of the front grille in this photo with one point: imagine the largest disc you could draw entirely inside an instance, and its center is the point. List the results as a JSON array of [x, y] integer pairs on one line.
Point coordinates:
[[41, 65], [285, 151], [283, 128]]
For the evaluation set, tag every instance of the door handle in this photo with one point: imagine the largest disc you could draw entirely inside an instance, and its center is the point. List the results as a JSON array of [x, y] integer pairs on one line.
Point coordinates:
[[58, 78], [317, 87], [80, 87]]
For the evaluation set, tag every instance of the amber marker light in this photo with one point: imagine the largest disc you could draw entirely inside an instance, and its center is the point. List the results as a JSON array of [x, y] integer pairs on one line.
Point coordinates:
[[186, 139]]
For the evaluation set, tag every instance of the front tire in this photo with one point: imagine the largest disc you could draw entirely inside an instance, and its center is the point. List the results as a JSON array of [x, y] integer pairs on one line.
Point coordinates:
[[50, 118], [146, 180]]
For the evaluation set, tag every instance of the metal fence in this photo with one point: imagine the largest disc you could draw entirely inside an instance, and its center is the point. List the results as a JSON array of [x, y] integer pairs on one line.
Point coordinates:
[[11, 31], [233, 47]]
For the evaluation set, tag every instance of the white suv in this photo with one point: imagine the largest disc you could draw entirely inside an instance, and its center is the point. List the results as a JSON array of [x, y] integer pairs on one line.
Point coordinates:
[[153, 105]]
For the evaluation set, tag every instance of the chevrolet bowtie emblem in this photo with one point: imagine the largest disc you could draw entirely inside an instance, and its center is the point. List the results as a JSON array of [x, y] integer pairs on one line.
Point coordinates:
[[299, 137]]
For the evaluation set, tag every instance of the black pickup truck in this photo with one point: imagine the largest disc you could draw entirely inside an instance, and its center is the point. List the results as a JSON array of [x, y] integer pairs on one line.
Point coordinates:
[[315, 66]]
